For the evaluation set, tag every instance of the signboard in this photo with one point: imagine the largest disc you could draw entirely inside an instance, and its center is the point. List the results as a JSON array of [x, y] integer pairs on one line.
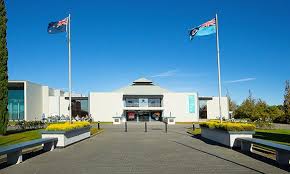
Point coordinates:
[[191, 104], [143, 102]]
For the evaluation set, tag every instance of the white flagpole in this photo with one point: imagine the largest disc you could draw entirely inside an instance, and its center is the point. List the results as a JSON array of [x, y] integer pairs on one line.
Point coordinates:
[[219, 68], [69, 69]]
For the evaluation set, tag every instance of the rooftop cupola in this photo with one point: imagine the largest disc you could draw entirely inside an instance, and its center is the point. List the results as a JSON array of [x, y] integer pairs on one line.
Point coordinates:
[[142, 81]]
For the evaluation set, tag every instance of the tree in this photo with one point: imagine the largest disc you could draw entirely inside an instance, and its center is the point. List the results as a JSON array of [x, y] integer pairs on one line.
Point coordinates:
[[286, 104], [260, 111], [3, 70], [276, 113], [232, 104], [246, 109]]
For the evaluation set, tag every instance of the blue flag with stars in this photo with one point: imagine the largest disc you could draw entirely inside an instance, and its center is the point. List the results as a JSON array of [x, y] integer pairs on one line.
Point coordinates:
[[57, 27]]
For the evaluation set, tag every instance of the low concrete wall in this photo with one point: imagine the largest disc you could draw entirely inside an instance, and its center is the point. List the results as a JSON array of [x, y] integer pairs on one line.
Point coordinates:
[[226, 138], [69, 137]]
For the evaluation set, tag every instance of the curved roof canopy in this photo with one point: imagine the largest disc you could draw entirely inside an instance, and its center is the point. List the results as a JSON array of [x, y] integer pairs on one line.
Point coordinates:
[[142, 86]]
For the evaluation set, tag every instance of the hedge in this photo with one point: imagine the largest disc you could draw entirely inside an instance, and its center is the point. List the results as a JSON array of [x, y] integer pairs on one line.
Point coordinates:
[[229, 126]]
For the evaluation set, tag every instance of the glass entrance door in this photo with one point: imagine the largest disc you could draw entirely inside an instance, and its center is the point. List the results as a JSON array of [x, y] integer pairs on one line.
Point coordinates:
[[143, 115]]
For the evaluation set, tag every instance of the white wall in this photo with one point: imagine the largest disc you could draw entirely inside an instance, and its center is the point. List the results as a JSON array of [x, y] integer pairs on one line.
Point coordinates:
[[58, 106], [64, 104], [213, 108], [33, 101], [54, 108], [45, 101], [104, 106], [178, 105]]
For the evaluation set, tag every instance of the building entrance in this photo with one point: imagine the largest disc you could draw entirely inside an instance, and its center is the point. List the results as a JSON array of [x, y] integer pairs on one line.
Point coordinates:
[[143, 115]]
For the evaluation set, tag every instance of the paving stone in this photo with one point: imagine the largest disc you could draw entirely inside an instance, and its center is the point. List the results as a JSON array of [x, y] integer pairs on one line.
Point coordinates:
[[139, 152]]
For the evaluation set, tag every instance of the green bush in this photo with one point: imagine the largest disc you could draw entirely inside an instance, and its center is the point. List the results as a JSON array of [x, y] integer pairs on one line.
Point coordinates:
[[263, 125], [24, 125], [228, 126]]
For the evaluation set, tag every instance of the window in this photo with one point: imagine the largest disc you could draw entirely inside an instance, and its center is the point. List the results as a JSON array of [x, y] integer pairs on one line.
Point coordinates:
[[16, 103], [80, 107], [203, 109], [154, 102], [132, 102]]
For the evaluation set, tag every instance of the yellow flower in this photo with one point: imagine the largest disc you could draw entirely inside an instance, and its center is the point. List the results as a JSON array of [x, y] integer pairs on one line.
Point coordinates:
[[67, 126], [229, 126]]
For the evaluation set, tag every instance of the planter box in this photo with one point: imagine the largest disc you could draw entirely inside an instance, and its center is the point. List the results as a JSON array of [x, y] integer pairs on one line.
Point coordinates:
[[170, 120], [117, 120], [226, 138], [66, 138]]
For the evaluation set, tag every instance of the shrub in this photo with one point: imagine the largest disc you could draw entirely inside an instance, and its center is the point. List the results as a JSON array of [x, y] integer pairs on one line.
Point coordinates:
[[263, 125], [229, 126], [26, 125], [67, 126]]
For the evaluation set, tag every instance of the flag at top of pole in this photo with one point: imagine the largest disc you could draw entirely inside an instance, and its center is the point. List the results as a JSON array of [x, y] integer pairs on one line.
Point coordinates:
[[208, 28], [204, 29], [59, 27]]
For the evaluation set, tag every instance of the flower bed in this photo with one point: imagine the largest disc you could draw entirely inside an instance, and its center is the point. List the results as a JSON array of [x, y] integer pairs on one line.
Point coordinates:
[[67, 133], [225, 133], [229, 126], [67, 126]]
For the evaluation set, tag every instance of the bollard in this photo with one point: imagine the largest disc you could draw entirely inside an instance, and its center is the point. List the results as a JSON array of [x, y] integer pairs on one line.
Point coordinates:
[[126, 127], [165, 127], [145, 126], [193, 127], [98, 125]]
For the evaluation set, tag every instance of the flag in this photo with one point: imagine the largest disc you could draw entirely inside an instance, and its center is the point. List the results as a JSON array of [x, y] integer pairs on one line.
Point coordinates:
[[204, 29], [57, 27]]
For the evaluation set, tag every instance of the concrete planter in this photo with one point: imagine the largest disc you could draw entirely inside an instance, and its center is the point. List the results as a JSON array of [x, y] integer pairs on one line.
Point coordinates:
[[170, 120], [117, 120], [226, 138], [66, 138]]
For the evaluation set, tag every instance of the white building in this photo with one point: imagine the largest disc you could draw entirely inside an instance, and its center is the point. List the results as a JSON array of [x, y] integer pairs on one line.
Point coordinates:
[[140, 101], [145, 101], [30, 101]]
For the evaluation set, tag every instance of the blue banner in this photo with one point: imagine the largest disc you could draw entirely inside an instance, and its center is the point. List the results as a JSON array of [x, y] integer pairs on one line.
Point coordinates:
[[191, 103]]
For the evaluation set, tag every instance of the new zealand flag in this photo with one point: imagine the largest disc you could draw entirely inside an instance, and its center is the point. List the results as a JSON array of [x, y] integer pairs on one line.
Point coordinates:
[[57, 27]]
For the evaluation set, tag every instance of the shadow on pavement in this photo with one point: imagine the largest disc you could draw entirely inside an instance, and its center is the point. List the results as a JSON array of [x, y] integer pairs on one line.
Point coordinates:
[[3, 163], [218, 157], [253, 155]]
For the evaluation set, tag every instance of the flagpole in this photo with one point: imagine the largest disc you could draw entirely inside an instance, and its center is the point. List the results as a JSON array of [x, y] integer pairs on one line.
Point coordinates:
[[69, 70], [219, 68]]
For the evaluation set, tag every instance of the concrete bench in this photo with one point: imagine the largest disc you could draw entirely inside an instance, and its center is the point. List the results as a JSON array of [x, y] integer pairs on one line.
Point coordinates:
[[282, 151], [14, 152]]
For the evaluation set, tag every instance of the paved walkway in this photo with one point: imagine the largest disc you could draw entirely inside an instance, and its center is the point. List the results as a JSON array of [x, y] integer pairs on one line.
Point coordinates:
[[116, 151]]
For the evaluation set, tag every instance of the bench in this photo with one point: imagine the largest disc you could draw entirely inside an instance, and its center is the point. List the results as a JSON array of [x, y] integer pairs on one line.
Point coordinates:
[[14, 152], [282, 151]]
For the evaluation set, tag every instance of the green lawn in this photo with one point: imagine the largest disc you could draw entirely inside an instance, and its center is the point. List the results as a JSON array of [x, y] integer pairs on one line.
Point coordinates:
[[184, 123], [281, 136], [95, 122], [195, 132], [19, 137], [95, 130]]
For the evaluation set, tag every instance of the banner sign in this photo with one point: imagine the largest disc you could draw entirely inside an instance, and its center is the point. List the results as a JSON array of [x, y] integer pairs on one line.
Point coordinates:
[[131, 115], [191, 103]]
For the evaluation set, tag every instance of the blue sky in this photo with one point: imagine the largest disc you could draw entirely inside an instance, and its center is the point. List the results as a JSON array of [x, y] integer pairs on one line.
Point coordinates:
[[116, 42]]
